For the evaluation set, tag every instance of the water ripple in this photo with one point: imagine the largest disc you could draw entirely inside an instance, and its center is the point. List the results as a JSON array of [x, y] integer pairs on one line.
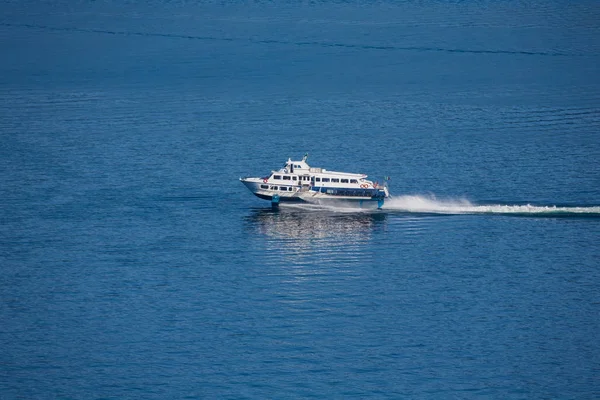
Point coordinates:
[[296, 43]]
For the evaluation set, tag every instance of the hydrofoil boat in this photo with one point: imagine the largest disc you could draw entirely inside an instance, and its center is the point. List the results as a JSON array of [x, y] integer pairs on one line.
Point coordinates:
[[296, 181]]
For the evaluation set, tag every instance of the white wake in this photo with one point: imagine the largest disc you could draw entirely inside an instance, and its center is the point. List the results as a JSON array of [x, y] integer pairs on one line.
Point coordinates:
[[430, 204]]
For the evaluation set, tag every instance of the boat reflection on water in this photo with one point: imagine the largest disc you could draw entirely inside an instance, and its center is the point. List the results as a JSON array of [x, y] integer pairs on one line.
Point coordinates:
[[315, 234]]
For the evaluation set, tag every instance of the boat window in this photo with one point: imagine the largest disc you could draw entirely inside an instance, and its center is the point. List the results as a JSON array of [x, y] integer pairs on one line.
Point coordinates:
[[353, 181], [344, 180], [264, 186], [335, 180], [283, 188], [286, 177], [273, 187], [294, 178], [276, 176], [325, 179], [318, 179]]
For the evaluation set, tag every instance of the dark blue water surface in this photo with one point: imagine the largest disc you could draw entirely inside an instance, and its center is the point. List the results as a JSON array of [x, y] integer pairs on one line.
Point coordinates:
[[134, 264]]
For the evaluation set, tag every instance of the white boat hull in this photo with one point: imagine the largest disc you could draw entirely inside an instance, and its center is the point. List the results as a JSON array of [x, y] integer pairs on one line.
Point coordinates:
[[315, 196]]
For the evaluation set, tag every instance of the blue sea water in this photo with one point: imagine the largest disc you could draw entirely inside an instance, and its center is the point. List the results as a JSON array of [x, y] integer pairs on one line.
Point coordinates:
[[135, 265]]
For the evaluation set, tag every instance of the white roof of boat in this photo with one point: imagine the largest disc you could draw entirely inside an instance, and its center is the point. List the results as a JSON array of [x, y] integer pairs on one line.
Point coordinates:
[[303, 165], [298, 164]]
